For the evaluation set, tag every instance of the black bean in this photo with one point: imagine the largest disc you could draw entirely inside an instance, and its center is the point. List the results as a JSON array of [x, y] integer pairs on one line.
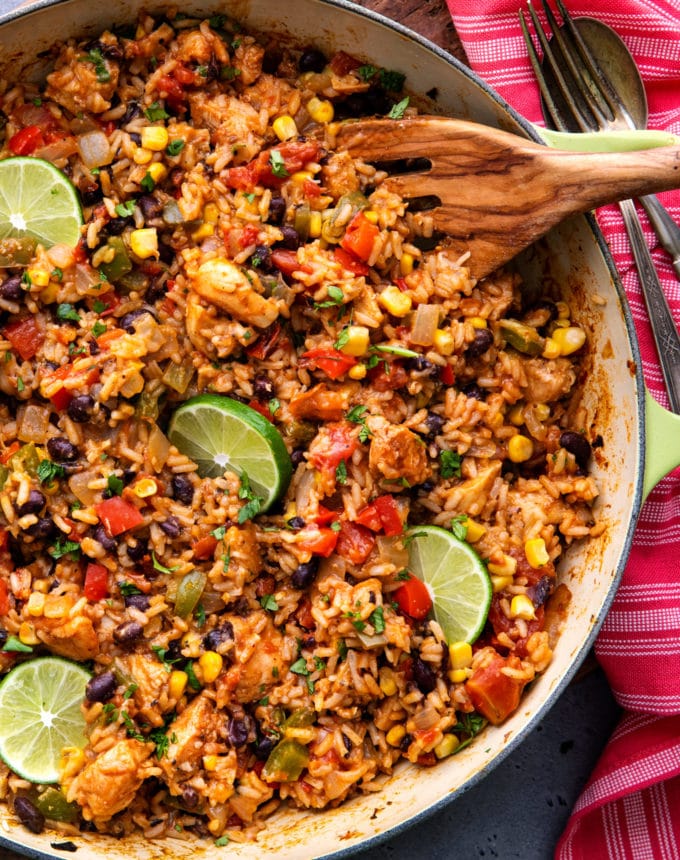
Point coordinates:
[[473, 390], [422, 366], [3, 636], [578, 445], [112, 52], [33, 504], [237, 730], [312, 60], [102, 537], [540, 592], [295, 523], [171, 527], [423, 675], [128, 632], [291, 237], [218, 636], [262, 258], [29, 814], [156, 290], [61, 450], [434, 423], [305, 573], [43, 529], [263, 387], [150, 206], [101, 688], [11, 289], [80, 408], [116, 226], [139, 601], [297, 456], [190, 797], [373, 101], [127, 321], [94, 347], [482, 342], [263, 746], [91, 195], [137, 550], [182, 489], [135, 137], [277, 210], [133, 110]]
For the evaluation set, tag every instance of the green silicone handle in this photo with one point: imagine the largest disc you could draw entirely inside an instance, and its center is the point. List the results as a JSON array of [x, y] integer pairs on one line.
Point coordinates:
[[662, 452], [607, 141]]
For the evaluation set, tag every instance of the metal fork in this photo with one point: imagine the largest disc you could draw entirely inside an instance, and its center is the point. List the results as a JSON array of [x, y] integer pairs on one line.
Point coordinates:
[[592, 104]]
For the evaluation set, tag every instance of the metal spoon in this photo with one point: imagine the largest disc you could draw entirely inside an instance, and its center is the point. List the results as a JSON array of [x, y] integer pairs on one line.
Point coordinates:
[[617, 63]]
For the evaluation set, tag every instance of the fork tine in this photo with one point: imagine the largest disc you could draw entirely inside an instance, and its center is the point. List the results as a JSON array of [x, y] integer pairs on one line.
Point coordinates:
[[564, 88], [553, 110]]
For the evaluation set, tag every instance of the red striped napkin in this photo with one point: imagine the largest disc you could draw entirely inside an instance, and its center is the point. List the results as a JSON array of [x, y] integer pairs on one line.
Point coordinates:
[[630, 807]]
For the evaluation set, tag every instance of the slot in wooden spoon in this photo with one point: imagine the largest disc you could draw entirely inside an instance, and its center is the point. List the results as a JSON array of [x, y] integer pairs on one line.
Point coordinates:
[[498, 191]]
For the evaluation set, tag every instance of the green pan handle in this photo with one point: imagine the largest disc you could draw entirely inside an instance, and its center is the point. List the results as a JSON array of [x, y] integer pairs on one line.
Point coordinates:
[[607, 141], [662, 452]]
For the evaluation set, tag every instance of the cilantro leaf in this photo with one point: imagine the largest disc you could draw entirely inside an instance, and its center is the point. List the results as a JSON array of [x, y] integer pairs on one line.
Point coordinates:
[[115, 485], [156, 111], [175, 146], [48, 472], [397, 111], [268, 602], [377, 619], [277, 164], [449, 464], [65, 312], [459, 527], [124, 210], [64, 547]]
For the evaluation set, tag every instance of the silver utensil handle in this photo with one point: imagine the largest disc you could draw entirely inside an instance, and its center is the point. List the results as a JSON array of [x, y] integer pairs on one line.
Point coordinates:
[[665, 333], [665, 228]]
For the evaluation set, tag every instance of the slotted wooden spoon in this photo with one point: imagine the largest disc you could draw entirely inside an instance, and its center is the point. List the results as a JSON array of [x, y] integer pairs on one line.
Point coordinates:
[[498, 192]]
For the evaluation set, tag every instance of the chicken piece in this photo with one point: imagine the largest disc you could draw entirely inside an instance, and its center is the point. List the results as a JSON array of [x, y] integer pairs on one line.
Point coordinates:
[[220, 785], [322, 403], [251, 792], [110, 782], [69, 637], [151, 680], [206, 331], [396, 452], [548, 381], [197, 725], [223, 284], [266, 657], [244, 551], [234, 126], [82, 82], [147, 46], [339, 175], [471, 496], [200, 47], [248, 59]]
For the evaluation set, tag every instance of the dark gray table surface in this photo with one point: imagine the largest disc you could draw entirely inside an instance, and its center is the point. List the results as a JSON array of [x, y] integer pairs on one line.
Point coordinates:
[[522, 807]]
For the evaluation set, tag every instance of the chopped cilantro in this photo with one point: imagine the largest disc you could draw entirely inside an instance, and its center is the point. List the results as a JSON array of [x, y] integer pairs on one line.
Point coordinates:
[[341, 472], [253, 502], [335, 526], [377, 619], [175, 146], [449, 462], [66, 312], [56, 273], [101, 70], [124, 210], [268, 602], [147, 182], [397, 111], [193, 681], [130, 691], [343, 337], [156, 111], [131, 728], [114, 485], [356, 416], [299, 667], [391, 80], [219, 532], [98, 306], [127, 588], [274, 405], [221, 841], [459, 526], [64, 547], [161, 568], [335, 298], [199, 615], [277, 164], [367, 72], [48, 472], [98, 328], [13, 643]]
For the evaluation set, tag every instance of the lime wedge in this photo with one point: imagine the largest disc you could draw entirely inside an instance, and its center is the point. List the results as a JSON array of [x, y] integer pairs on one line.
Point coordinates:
[[220, 434], [456, 578], [37, 200], [40, 715]]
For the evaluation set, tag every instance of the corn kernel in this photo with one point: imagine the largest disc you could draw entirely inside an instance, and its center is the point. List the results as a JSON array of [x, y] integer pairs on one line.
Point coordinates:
[[357, 372], [177, 683], [371, 215], [36, 604], [154, 137], [569, 339], [406, 264], [320, 110], [142, 156], [211, 666], [191, 644], [42, 585], [356, 340], [56, 606], [516, 415], [478, 322], [542, 411], [210, 762], [27, 634], [446, 746], [551, 348], [157, 171], [395, 735], [500, 583], [536, 552], [520, 448], [302, 176], [474, 531], [48, 296], [387, 683], [144, 242], [522, 607], [507, 567], [443, 342], [71, 761], [215, 826], [211, 213], [39, 277], [460, 655], [458, 676], [314, 225], [145, 487], [206, 229], [284, 127], [395, 302]]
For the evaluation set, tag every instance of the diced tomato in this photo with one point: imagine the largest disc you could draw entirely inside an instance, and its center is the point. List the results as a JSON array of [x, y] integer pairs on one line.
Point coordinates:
[[4, 598], [318, 541], [9, 452], [388, 376], [26, 140], [333, 362], [355, 543], [447, 375], [262, 408], [184, 76], [292, 156], [347, 261], [370, 518], [389, 514], [172, 91], [324, 517], [266, 342], [26, 336], [285, 260], [500, 623], [204, 547], [118, 515], [360, 237], [413, 598], [341, 443], [61, 399], [96, 586], [311, 188], [248, 235], [342, 63], [494, 694]]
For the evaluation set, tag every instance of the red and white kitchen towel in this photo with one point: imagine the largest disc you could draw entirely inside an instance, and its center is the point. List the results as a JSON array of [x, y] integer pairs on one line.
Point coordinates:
[[630, 807]]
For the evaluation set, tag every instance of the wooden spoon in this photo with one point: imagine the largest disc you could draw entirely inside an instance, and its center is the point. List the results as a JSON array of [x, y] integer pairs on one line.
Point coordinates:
[[498, 192]]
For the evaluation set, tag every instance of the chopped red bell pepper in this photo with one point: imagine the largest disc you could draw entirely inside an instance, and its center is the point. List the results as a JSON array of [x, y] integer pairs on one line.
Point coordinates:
[[333, 362], [262, 408], [285, 260], [493, 693], [172, 90], [96, 586], [118, 515], [388, 376], [9, 452], [347, 261], [370, 518], [413, 598], [360, 237], [389, 514], [318, 541], [355, 543], [26, 140], [266, 342], [61, 399], [341, 443], [4, 598], [26, 336], [324, 517], [204, 547], [447, 375]]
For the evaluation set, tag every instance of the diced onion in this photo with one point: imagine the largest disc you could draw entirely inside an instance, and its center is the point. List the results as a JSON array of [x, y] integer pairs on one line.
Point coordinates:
[[425, 325], [94, 149]]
